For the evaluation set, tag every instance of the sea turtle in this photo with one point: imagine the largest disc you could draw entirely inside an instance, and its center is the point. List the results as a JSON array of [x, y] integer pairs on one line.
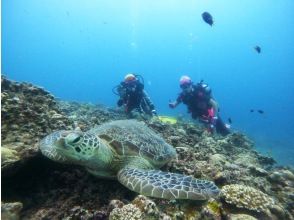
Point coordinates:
[[131, 152]]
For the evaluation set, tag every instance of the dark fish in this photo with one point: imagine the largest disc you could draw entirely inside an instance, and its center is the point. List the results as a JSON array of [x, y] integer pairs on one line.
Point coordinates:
[[260, 111], [258, 49], [207, 18], [230, 120], [251, 110]]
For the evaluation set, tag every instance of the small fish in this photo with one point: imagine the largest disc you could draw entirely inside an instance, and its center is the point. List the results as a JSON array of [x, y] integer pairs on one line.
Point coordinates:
[[251, 110], [258, 49], [207, 18], [260, 111], [230, 120]]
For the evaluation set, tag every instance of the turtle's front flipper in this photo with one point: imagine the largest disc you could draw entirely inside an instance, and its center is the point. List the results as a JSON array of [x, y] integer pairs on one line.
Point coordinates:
[[156, 183]]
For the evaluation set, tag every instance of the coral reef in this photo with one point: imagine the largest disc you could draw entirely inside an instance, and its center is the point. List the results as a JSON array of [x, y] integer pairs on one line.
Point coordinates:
[[147, 207], [242, 217], [247, 197], [87, 115], [8, 156], [11, 211], [55, 191], [127, 212], [212, 210], [282, 185], [28, 113]]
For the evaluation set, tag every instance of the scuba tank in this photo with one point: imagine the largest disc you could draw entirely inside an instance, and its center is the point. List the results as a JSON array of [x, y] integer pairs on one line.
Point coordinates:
[[204, 87], [114, 90], [140, 78]]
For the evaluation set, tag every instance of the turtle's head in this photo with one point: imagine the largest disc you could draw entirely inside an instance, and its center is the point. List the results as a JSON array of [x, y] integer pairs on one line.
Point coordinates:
[[74, 147]]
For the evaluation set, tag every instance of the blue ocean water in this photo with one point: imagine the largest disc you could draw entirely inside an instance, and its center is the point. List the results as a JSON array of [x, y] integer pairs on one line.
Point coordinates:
[[79, 50]]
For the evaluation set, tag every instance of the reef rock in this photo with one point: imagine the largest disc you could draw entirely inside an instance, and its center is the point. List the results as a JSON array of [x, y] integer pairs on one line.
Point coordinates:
[[217, 160], [8, 156], [26, 114], [88, 115], [146, 206], [11, 211], [242, 217]]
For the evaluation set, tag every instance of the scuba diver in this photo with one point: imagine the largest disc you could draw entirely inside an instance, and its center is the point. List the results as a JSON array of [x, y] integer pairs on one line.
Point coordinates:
[[201, 105], [134, 98]]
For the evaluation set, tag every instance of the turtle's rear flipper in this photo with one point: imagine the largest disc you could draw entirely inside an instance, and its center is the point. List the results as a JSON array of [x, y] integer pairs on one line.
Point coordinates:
[[156, 183]]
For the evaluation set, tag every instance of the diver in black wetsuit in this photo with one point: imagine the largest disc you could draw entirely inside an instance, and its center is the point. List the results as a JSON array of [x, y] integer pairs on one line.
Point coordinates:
[[134, 98], [201, 105]]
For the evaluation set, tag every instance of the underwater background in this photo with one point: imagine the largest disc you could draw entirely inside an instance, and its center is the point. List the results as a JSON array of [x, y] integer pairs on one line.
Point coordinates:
[[80, 50]]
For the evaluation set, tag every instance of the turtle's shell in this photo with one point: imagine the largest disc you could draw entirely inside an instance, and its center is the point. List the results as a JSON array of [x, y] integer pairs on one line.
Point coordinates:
[[133, 138]]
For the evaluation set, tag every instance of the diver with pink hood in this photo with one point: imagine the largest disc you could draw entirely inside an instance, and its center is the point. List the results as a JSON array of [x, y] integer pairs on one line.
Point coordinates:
[[201, 105]]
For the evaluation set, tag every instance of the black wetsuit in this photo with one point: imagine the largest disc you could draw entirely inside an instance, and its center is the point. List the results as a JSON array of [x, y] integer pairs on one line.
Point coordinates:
[[134, 97], [198, 102]]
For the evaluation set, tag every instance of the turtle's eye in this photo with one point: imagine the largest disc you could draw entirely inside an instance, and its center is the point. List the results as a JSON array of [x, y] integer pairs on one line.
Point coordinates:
[[73, 138], [76, 140]]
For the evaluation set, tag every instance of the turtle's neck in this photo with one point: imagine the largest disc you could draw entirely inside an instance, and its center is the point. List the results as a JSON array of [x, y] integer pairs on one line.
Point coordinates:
[[102, 158]]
